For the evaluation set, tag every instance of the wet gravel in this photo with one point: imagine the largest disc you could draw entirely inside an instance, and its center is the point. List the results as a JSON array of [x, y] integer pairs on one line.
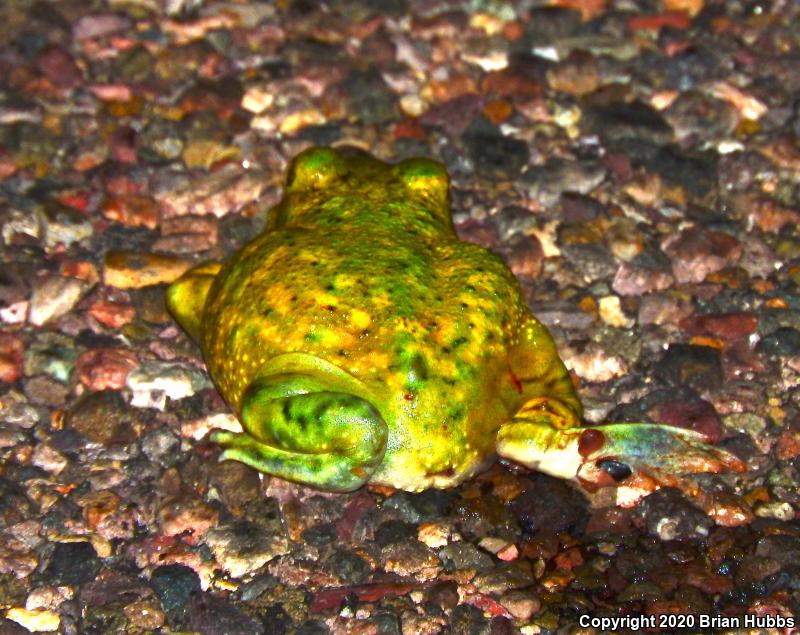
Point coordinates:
[[637, 164]]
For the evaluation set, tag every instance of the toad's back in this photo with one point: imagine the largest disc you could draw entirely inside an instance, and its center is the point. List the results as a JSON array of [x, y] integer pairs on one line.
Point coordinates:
[[393, 299]]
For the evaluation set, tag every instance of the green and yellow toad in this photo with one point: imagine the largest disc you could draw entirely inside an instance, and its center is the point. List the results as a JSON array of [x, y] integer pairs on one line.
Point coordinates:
[[360, 341]]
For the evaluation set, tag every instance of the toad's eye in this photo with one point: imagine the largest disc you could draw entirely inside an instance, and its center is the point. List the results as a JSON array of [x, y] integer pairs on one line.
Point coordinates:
[[615, 469], [427, 180], [425, 176], [314, 169]]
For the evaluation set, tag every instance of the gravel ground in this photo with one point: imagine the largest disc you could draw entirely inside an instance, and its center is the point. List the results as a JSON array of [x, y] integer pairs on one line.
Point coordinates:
[[637, 165]]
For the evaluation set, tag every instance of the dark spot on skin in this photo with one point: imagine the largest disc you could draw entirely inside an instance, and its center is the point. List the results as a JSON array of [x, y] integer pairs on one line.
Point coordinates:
[[329, 287], [445, 349], [464, 305], [419, 368], [615, 469], [450, 471], [287, 411], [302, 421], [590, 442], [458, 342], [330, 307], [456, 412], [319, 411], [439, 298], [314, 263], [471, 325], [470, 287]]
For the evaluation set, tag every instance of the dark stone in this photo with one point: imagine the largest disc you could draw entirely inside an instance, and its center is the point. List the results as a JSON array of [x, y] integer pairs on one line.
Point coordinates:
[[174, 584], [211, 615], [443, 594], [626, 121], [313, 627], [387, 623], [113, 587], [781, 547], [370, 100], [276, 621], [160, 142], [579, 208], [638, 561], [322, 135], [488, 516], [66, 441], [755, 568], [465, 555], [492, 152], [669, 515], [784, 341], [697, 366], [593, 260], [738, 171], [454, 115], [652, 260], [549, 503], [467, 620], [740, 444], [7, 627], [690, 412], [14, 282], [500, 625], [392, 531], [551, 24], [697, 174], [320, 534], [14, 504], [99, 620], [349, 567], [546, 183], [72, 564], [432, 503], [103, 417]]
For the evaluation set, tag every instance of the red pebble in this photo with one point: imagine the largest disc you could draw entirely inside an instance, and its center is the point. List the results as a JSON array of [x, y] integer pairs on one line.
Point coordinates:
[[105, 368]]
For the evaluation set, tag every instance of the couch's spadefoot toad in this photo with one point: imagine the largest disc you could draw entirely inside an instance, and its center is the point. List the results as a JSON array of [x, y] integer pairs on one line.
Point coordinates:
[[359, 340]]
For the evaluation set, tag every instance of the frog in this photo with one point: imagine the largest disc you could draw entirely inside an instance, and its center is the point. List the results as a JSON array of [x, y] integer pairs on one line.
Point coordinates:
[[358, 340]]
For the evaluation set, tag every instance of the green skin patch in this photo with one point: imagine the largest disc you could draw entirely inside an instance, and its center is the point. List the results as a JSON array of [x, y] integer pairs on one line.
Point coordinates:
[[331, 439], [359, 340]]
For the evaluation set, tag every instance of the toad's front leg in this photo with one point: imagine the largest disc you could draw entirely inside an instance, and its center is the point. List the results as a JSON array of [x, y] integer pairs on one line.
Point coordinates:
[[299, 428], [546, 433], [617, 453]]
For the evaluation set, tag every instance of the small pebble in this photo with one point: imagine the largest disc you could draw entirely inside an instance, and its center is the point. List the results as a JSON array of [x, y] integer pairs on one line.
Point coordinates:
[[153, 383], [130, 270], [52, 297], [35, 620]]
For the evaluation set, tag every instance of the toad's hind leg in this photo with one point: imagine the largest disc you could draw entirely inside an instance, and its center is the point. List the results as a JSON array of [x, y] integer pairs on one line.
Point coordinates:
[[545, 433], [301, 431], [186, 297]]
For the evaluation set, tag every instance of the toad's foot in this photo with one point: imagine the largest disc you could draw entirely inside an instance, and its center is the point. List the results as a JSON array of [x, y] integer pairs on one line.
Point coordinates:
[[645, 454]]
